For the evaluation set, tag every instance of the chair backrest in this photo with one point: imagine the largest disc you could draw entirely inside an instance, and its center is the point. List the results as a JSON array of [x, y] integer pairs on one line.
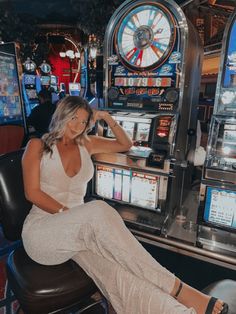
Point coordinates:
[[13, 205], [11, 138]]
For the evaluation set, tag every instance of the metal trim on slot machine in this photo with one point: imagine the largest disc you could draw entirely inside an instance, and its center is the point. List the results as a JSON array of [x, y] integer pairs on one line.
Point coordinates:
[[217, 208], [152, 63]]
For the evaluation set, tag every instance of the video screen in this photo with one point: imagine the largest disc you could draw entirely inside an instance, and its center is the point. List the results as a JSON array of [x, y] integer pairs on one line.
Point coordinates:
[[74, 89], [136, 188], [45, 80], [31, 94], [220, 207], [129, 128], [229, 137], [54, 80], [229, 78], [10, 100], [29, 79], [143, 130], [226, 140]]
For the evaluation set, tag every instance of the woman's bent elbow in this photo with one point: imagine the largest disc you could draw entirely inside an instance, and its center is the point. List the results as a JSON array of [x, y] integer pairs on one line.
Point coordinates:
[[30, 196]]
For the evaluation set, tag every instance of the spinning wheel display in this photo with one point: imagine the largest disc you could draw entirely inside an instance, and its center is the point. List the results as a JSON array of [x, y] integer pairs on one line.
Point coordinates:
[[145, 37]]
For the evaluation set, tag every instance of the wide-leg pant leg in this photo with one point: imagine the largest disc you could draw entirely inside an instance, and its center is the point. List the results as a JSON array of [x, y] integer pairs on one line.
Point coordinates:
[[95, 227], [113, 240], [127, 293]]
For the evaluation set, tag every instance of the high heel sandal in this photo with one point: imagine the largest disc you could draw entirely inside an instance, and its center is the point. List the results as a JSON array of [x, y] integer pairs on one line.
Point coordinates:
[[211, 305]]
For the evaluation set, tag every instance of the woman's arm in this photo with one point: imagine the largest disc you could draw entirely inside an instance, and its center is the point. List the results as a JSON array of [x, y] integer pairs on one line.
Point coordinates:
[[99, 144], [31, 177]]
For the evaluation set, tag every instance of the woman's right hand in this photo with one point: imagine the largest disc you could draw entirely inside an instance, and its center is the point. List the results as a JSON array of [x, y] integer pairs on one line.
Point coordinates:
[[100, 115]]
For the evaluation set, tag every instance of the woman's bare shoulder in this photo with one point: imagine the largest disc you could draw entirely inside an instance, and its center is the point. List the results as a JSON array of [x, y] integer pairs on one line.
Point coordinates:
[[34, 147], [35, 143]]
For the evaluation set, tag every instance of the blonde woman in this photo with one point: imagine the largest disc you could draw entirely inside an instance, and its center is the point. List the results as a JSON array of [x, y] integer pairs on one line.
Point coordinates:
[[60, 226]]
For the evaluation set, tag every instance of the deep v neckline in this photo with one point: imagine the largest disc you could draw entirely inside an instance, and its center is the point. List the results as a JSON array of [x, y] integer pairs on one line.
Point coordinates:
[[62, 166]]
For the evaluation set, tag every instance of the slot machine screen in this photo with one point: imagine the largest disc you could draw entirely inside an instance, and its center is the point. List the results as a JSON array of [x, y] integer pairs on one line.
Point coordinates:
[[54, 80], [29, 79], [45, 80], [10, 100], [225, 140], [127, 186], [229, 140], [220, 207], [230, 66], [143, 130], [74, 89], [31, 94], [129, 128]]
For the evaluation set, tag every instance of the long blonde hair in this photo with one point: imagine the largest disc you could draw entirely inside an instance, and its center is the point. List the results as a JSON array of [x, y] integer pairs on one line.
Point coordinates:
[[66, 109]]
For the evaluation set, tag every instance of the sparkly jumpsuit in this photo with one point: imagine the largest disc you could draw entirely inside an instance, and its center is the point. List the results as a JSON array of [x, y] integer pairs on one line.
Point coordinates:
[[94, 236]]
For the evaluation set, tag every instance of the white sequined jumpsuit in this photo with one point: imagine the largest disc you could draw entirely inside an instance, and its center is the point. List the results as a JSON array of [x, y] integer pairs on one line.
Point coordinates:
[[94, 235]]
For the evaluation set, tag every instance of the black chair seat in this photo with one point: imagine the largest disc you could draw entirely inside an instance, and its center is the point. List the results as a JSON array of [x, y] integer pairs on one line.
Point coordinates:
[[44, 289], [224, 290]]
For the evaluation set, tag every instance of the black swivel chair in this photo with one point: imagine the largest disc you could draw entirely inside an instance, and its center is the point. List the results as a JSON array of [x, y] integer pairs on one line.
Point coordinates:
[[39, 289]]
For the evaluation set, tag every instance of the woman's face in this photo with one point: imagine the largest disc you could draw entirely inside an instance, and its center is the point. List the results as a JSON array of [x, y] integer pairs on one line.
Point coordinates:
[[77, 124]]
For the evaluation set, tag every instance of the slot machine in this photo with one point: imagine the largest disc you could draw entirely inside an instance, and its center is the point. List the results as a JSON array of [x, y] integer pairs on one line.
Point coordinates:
[[152, 65], [11, 108], [217, 209], [31, 85], [54, 83]]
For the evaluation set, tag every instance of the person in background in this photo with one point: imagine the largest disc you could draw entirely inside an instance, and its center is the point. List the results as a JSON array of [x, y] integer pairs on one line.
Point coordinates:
[[60, 226], [41, 115], [55, 96]]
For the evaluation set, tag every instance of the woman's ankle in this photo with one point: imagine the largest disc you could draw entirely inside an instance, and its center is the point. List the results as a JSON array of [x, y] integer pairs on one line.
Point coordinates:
[[193, 298], [177, 288]]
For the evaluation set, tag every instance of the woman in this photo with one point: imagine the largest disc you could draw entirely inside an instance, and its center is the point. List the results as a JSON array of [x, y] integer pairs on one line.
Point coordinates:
[[56, 170]]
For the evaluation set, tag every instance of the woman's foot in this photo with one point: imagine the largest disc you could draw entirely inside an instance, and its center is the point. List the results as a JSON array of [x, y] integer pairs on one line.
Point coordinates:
[[202, 303]]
